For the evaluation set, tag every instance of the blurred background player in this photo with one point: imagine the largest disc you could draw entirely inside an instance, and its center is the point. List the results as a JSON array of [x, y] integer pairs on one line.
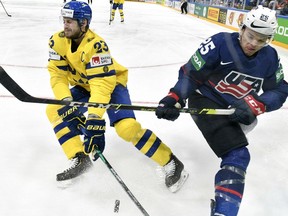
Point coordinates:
[[80, 58], [117, 4], [238, 70], [89, 1], [184, 5]]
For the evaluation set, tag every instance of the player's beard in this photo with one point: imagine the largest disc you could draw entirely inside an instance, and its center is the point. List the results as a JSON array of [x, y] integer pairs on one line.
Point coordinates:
[[70, 34]]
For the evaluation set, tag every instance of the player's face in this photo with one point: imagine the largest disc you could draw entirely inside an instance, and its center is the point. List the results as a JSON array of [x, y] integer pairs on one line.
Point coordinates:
[[71, 28], [251, 41]]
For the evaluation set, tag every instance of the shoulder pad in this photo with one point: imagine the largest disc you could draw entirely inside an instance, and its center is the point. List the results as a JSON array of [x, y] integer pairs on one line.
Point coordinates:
[[61, 34], [57, 42]]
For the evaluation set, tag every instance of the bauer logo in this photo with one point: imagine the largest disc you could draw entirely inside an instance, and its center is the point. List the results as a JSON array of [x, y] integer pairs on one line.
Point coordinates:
[[100, 60]]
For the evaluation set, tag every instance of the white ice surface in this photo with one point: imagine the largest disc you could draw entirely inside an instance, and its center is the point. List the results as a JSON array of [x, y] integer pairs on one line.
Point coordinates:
[[153, 43]]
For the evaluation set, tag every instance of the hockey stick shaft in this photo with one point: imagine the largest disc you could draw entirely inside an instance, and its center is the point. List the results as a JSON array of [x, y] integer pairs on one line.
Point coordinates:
[[23, 96], [5, 9], [110, 18], [117, 177]]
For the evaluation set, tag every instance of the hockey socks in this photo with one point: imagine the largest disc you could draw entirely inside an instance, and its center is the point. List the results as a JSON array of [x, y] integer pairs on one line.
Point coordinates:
[[230, 181], [229, 187]]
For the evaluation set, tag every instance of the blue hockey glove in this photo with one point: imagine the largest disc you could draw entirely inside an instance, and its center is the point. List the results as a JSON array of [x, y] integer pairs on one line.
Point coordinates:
[[169, 106], [94, 135], [73, 117], [247, 109]]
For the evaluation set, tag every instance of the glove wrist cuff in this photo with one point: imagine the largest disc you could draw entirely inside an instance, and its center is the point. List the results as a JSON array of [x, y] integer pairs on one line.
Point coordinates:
[[256, 106], [173, 95]]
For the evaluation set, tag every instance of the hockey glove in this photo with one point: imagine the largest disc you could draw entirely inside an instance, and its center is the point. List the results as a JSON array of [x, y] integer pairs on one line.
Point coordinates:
[[169, 106], [247, 109], [73, 117], [94, 135]]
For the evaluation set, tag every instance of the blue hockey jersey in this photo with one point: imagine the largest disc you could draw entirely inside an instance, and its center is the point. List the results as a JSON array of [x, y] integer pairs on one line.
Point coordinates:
[[221, 71]]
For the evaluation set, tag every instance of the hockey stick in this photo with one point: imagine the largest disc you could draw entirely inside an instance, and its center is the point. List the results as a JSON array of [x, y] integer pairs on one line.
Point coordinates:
[[117, 177], [111, 5], [5, 9], [23, 96]]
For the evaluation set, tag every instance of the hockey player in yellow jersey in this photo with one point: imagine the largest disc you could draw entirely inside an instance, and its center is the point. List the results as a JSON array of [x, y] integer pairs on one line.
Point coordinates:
[[81, 69], [117, 4]]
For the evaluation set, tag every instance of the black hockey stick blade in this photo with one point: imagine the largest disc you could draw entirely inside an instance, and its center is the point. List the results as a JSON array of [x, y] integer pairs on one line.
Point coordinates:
[[23, 96], [9, 15]]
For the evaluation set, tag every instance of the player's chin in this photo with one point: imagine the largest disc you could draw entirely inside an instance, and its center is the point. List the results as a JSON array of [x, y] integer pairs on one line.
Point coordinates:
[[250, 52], [68, 34]]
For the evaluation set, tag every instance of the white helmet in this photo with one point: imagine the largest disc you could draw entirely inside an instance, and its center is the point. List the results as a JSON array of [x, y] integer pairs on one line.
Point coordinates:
[[262, 20]]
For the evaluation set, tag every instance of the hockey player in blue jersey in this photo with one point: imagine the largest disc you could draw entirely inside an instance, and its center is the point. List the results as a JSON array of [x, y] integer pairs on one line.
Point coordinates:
[[238, 70]]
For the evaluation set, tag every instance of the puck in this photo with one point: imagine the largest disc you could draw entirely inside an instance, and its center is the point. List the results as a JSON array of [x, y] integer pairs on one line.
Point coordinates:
[[116, 207]]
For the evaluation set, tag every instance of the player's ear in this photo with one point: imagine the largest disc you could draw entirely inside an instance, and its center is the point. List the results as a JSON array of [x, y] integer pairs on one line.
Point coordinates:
[[85, 22], [84, 25], [241, 31]]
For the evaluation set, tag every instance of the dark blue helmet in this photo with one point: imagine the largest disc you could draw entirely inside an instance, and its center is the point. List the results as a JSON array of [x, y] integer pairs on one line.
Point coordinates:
[[77, 10]]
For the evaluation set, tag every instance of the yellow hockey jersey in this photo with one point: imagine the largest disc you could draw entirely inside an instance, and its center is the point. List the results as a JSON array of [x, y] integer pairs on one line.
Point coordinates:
[[90, 66], [119, 1]]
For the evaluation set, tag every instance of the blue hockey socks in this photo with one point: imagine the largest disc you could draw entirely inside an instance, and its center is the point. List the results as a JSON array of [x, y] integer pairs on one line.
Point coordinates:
[[230, 181]]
